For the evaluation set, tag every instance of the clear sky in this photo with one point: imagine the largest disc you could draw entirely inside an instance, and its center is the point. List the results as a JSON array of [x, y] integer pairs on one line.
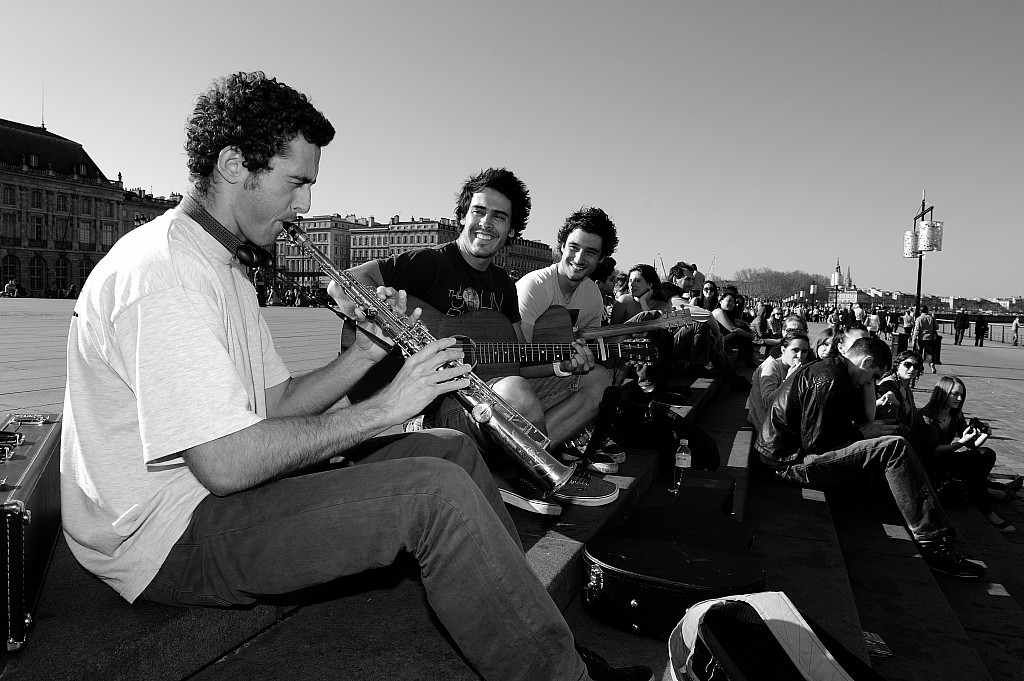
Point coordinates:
[[776, 134]]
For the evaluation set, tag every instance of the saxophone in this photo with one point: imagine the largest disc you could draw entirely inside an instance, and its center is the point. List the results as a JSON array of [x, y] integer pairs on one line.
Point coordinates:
[[514, 433]]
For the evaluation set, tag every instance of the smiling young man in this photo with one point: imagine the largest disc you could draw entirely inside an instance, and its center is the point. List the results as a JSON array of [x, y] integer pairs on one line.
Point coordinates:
[[586, 238], [460, 277], [196, 471]]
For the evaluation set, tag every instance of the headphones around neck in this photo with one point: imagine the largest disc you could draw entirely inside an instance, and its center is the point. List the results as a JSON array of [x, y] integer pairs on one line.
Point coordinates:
[[247, 253]]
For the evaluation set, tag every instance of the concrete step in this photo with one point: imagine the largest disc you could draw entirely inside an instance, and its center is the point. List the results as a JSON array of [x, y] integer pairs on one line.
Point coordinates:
[[897, 595]]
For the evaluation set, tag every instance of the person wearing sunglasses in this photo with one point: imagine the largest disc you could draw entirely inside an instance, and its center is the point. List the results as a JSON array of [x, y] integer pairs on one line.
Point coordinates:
[[708, 298], [953, 452], [894, 391]]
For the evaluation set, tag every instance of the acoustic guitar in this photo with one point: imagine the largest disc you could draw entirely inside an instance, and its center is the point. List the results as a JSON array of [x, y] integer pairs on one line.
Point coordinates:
[[489, 341]]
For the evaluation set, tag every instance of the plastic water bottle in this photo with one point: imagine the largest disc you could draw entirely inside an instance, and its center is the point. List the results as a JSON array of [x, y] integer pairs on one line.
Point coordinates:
[[684, 459]]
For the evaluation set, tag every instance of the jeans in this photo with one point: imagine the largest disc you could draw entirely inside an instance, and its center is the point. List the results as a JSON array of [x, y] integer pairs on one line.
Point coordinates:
[[907, 479], [958, 337], [427, 493]]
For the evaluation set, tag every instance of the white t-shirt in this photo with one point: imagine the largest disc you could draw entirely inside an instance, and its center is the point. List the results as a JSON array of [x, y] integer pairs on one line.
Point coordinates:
[[539, 290], [167, 350]]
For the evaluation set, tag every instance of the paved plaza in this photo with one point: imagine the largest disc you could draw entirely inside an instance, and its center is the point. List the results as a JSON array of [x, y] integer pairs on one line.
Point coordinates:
[[33, 344]]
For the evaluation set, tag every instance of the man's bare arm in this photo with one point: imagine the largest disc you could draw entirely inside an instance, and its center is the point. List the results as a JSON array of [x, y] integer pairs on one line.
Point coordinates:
[[277, 447]]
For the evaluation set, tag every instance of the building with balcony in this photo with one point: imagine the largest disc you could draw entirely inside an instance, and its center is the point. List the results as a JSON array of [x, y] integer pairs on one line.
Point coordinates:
[[58, 212]]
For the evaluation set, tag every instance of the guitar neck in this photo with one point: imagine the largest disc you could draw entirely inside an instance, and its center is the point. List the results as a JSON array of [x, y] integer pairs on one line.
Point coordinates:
[[542, 353]]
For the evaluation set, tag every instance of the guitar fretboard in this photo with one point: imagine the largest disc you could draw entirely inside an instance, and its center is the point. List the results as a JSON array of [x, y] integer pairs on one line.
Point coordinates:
[[538, 353]]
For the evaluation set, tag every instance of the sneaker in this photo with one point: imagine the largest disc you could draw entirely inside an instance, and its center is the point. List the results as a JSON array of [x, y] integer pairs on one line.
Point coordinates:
[[583, 489], [940, 556], [523, 492], [612, 450], [599, 462], [599, 670]]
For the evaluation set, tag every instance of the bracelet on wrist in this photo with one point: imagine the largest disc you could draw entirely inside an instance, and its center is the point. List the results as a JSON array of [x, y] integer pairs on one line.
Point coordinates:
[[557, 367]]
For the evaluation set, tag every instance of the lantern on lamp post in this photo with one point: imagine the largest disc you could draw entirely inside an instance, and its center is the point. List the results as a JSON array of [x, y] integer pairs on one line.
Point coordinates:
[[921, 239]]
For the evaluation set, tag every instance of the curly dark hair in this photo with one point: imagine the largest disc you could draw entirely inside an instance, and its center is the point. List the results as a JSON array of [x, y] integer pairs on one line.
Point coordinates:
[[676, 271], [257, 115], [503, 181], [593, 221]]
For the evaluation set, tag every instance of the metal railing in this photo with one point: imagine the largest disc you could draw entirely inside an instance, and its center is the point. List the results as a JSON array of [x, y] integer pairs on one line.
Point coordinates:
[[998, 332]]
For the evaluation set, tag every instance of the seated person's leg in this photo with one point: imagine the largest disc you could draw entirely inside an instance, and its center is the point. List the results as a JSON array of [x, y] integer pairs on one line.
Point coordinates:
[[903, 471], [569, 408], [307, 530]]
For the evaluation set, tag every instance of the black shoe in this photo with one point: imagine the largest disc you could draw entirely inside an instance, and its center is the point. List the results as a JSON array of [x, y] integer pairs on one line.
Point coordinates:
[[599, 670], [940, 556]]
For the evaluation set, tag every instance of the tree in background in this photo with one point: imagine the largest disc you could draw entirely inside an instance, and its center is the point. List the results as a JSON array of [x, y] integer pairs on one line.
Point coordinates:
[[769, 284]]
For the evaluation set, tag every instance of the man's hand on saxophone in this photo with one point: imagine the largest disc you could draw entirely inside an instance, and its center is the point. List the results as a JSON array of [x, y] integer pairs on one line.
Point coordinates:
[[397, 300], [422, 379]]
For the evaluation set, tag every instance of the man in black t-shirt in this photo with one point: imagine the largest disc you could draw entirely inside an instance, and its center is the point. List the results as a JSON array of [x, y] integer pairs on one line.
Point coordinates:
[[460, 277]]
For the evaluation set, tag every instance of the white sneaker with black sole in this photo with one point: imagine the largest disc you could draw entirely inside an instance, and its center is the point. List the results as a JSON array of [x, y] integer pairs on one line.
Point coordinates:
[[523, 492]]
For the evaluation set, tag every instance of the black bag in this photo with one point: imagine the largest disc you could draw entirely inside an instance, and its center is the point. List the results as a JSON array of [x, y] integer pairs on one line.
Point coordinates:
[[643, 575], [31, 504]]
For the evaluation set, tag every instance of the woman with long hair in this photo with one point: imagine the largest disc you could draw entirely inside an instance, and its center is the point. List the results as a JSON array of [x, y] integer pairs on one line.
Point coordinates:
[[708, 298], [796, 351], [643, 295], [952, 449], [894, 391], [734, 334]]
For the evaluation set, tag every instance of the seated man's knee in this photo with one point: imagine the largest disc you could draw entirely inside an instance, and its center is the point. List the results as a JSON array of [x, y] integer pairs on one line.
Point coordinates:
[[517, 391]]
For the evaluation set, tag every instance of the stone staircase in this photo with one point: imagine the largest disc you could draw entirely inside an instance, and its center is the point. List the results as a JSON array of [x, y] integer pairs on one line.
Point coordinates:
[[844, 559]]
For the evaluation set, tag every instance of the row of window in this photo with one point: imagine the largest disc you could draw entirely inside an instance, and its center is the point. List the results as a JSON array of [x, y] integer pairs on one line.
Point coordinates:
[[381, 240], [57, 230], [40, 276], [9, 197]]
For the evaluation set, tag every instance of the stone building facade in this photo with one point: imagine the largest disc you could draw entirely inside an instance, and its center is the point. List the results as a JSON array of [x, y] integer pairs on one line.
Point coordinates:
[[59, 214]]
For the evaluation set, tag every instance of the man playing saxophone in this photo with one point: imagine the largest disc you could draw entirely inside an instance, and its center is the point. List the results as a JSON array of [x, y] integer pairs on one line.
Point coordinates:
[[196, 471]]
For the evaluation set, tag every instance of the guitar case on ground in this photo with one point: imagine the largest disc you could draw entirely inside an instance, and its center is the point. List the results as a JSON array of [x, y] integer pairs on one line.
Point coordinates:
[[644, 574]]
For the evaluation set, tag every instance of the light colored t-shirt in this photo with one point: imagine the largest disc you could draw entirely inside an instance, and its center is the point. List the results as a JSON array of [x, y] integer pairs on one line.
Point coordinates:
[[539, 290], [167, 350]]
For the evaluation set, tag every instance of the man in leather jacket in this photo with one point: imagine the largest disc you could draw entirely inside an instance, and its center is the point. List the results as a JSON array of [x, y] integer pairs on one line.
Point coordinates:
[[810, 439]]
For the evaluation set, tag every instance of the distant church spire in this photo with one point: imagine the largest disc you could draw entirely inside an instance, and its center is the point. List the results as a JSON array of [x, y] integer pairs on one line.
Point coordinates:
[[849, 278]]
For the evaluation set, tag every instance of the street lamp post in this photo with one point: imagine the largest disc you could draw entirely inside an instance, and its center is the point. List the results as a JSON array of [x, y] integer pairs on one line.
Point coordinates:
[[813, 290], [837, 278], [918, 241]]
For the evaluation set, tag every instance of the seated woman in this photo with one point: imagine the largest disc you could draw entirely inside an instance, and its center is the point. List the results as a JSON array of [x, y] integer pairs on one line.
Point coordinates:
[[765, 332], [644, 283], [894, 393], [951, 449], [733, 334], [796, 351], [708, 298]]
